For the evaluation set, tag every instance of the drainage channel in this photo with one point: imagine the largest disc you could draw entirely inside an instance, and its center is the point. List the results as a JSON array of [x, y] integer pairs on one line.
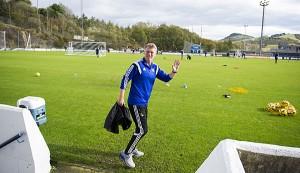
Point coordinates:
[[59, 167]]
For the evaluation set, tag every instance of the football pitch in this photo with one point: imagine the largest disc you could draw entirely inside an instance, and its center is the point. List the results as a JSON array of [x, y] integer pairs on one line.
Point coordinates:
[[185, 123]]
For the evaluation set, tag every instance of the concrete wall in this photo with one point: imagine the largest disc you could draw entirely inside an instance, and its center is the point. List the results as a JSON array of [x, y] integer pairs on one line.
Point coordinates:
[[28, 154], [226, 158]]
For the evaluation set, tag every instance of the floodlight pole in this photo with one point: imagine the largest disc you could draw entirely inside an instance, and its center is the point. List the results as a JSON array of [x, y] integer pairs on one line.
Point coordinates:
[[38, 15], [245, 26], [81, 22], [262, 3], [4, 41], [9, 12], [48, 17], [201, 32], [201, 38], [191, 32], [18, 39]]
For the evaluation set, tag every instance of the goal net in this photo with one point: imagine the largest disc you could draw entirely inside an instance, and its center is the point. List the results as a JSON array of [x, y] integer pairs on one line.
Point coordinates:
[[2, 40], [86, 48]]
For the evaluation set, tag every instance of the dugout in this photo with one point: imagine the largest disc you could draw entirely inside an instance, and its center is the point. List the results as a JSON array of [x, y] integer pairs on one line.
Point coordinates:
[[192, 48]]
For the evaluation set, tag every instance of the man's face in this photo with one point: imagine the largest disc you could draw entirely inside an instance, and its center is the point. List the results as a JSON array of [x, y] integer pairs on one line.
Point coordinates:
[[150, 54]]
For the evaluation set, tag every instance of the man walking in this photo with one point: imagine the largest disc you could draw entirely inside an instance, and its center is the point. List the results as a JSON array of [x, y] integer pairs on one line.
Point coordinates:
[[142, 73]]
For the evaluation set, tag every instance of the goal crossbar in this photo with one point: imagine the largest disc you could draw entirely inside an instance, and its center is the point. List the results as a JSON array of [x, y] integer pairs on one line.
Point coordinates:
[[86, 48]]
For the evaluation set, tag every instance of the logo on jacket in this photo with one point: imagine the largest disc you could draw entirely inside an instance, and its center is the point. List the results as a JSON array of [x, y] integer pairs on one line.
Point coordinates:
[[144, 69]]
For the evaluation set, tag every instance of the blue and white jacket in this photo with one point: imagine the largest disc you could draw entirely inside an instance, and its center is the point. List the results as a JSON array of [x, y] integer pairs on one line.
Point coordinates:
[[143, 77]]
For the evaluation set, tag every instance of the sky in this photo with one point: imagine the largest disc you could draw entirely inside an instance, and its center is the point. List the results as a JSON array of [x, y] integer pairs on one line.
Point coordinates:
[[211, 19]]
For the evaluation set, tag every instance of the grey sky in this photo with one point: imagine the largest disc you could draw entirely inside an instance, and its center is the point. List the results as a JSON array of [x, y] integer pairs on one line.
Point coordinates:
[[217, 18]]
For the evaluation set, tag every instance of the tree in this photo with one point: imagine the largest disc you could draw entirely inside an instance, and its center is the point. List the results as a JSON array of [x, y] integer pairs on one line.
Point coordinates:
[[59, 25], [56, 9], [224, 46], [139, 36], [208, 45]]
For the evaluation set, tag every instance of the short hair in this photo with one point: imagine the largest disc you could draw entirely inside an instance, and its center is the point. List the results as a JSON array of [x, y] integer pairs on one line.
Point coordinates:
[[150, 46]]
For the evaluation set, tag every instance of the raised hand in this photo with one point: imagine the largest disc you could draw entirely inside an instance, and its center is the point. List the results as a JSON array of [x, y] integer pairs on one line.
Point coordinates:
[[175, 66]]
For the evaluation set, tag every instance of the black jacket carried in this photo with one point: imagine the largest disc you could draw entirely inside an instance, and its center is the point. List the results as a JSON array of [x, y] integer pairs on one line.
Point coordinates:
[[118, 115]]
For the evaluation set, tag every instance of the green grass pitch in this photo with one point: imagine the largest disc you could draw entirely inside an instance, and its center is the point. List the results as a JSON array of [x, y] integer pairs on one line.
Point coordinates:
[[184, 124]]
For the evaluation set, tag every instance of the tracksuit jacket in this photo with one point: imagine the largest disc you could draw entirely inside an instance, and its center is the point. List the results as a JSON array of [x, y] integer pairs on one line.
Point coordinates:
[[143, 77], [118, 115]]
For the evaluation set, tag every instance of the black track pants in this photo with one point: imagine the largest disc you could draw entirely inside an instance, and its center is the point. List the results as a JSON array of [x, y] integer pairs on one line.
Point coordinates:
[[139, 116]]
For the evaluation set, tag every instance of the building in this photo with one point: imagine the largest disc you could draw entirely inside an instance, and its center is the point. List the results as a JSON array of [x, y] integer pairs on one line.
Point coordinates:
[[286, 50]]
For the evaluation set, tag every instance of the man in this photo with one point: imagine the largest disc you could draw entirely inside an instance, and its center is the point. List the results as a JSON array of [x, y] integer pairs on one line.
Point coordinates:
[[244, 55], [143, 74], [181, 52], [276, 57], [97, 52]]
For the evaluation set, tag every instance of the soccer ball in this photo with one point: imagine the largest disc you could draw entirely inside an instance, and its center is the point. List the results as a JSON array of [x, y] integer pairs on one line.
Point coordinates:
[[291, 110], [37, 74], [282, 108], [283, 112], [184, 86], [271, 107], [285, 103], [227, 96]]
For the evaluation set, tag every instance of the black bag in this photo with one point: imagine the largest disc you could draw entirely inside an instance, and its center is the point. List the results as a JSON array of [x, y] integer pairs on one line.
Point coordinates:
[[118, 115]]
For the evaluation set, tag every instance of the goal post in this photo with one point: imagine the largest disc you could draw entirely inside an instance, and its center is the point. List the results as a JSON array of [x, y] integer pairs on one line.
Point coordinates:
[[86, 48], [2, 40]]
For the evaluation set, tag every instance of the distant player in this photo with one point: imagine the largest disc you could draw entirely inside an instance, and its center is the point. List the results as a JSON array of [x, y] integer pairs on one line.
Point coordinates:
[[97, 52], [142, 75], [181, 52], [276, 57], [244, 55]]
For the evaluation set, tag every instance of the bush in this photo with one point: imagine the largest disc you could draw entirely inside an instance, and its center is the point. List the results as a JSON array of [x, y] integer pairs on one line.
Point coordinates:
[[59, 42]]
